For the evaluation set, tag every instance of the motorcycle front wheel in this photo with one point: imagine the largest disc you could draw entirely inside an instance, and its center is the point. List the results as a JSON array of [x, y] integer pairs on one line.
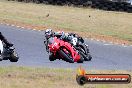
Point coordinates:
[[66, 57], [81, 60], [51, 58]]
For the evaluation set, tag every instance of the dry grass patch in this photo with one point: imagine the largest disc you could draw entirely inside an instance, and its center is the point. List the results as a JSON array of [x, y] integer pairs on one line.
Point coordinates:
[[27, 77]]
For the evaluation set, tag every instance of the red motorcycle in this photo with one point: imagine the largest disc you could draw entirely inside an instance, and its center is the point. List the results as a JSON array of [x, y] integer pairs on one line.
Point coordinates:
[[59, 49]]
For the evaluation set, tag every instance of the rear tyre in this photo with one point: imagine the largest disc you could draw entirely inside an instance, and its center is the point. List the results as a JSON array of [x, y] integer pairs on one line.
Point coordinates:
[[14, 57]]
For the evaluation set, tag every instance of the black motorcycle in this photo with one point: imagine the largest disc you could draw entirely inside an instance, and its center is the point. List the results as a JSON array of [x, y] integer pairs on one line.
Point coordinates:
[[9, 53], [78, 43]]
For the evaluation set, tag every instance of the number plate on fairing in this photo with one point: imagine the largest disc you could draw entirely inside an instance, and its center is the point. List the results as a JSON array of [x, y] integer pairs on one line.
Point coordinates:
[[74, 41]]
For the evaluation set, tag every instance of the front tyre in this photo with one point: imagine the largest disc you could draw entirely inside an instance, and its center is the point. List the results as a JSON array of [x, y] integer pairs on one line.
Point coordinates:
[[66, 57], [14, 57], [51, 58], [88, 58], [81, 60]]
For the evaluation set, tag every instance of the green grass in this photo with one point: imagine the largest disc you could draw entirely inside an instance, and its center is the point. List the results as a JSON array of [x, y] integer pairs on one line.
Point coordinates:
[[29, 77], [115, 24]]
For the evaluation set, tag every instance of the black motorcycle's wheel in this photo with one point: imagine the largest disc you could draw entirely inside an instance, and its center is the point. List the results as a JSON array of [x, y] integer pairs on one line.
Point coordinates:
[[66, 57], [85, 54], [87, 57], [14, 57], [51, 58], [90, 57]]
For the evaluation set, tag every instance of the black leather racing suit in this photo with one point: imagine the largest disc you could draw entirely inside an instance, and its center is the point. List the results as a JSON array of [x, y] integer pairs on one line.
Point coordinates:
[[2, 38]]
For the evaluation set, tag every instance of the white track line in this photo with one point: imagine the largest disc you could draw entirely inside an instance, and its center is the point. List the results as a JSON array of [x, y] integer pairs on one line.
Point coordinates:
[[110, 43], [8, 24], [125, 46], [18, 26], [92, 39], [103, 41], [97, 40], [107, 44], [13, 25], [22, 27]]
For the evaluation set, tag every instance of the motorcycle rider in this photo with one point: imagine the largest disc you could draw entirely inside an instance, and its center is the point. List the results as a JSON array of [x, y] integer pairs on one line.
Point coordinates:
[[3, 39], [60, 34], [50, 33], [68, 38]]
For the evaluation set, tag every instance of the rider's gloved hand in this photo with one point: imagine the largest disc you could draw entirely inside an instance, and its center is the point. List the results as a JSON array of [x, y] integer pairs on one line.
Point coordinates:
[[62, 37]]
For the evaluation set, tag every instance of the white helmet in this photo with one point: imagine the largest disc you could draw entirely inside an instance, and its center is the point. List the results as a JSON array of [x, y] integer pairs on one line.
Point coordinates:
[[48, 33]]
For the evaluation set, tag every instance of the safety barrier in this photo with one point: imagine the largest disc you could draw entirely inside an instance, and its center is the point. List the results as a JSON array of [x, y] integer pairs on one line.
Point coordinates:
[[109, 5]]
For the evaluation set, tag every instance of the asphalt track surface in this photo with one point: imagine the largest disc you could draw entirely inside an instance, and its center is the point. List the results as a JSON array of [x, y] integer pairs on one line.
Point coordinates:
[[30, 47]]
